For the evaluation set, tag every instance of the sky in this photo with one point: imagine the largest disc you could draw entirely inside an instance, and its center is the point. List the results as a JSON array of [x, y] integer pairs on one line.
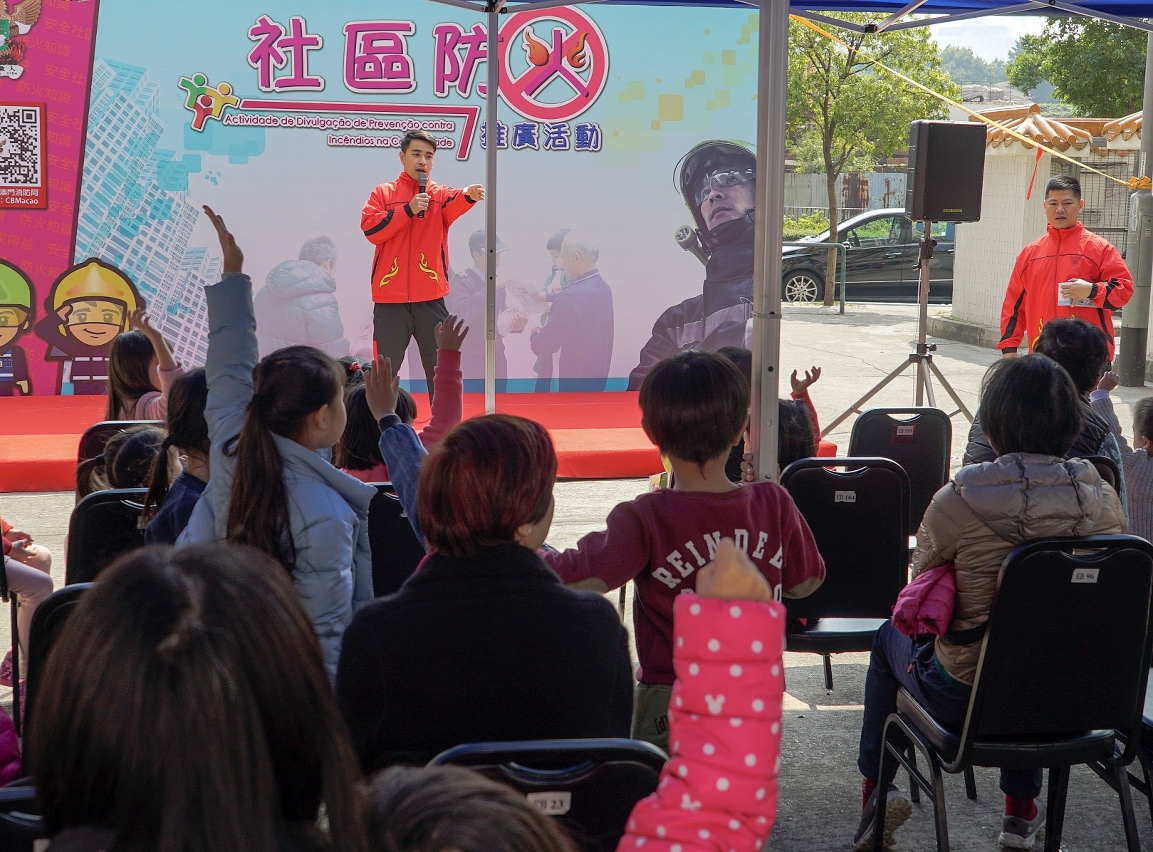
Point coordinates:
[[990, 38]]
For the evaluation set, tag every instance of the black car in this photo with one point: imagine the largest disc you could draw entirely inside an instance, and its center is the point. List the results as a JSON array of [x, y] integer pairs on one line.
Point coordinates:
[[882, 261]]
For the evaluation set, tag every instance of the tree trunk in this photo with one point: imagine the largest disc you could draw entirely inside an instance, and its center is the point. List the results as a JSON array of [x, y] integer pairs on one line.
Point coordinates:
[[834, 233]]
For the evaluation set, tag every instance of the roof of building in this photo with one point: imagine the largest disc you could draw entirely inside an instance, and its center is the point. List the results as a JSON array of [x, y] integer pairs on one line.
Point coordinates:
[[1125, 128], [1029, 122]]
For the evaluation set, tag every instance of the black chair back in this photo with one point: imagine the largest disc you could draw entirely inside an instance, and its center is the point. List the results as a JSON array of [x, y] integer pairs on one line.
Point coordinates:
[[1108, 470], [919, 442], [1082, 606], [860, 520], [96, 436], [395, 549], [103, 525], [589, 785], [20, 825], [47, 624]]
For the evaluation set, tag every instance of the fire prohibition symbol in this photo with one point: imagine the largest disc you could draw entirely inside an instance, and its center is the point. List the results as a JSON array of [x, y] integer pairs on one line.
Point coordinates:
[[563, 63]]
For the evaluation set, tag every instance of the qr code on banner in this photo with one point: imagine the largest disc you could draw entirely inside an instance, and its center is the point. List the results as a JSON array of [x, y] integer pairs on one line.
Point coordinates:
[[21, 145]]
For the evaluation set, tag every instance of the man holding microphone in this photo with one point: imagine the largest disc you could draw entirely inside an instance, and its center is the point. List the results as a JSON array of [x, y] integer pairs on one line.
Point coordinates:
[[1069, 272], [407, 220]]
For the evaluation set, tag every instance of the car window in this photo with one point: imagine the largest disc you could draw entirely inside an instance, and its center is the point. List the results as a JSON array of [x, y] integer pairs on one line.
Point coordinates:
[[940, 231], [883, 231]]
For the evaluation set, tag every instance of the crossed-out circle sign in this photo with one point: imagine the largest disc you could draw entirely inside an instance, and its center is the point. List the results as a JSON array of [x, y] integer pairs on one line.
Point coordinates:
[[565, 53]]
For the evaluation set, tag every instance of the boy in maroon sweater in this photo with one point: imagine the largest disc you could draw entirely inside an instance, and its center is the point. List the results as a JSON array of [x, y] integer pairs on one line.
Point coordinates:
[[694, 407]]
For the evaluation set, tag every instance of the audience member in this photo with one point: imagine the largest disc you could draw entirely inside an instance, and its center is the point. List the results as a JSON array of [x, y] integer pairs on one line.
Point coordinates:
[[353, 372], [125, 463], [186, 707], [167, 508], [1032, 415], [272, 425], [1136, 463], [694, 407], [483, 643], [1083, 351], [359, 454], [28, 568], [141, 369], [719, 790]]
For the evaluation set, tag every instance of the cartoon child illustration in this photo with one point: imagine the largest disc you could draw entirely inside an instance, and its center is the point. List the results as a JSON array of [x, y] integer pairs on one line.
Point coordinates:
[[86, 308], [15, 320]]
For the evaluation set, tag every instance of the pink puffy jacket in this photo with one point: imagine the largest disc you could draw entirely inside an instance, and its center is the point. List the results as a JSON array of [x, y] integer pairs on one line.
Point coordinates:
[[9, 749], [719, 789]]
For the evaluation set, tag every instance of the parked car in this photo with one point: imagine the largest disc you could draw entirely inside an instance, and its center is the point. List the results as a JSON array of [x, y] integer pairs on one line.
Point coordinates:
[[882, 250]]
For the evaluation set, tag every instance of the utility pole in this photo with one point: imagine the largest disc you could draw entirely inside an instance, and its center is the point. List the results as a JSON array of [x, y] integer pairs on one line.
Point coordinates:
[[1139, 254]]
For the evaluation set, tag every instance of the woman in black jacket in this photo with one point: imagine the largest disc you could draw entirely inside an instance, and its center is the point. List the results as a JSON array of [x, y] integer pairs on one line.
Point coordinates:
[[483, 643]]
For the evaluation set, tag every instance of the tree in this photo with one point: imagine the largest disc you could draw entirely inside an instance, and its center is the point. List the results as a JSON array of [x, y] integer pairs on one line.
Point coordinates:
[[845, 113], [964, 66], [1097, 66]]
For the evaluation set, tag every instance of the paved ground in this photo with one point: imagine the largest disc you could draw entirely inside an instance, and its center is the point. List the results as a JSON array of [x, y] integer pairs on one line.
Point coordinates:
[[819, 799]]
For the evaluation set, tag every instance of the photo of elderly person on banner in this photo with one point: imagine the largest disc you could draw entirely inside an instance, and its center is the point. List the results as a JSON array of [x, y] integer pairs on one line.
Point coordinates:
[[718, 182]]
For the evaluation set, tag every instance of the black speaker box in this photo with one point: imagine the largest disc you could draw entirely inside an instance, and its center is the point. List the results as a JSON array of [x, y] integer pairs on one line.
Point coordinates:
[[946, 171]]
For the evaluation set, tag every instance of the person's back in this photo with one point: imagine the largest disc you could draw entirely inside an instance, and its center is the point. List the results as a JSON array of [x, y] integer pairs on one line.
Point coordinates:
[[1136, 461], [483, 643], [298, 306]]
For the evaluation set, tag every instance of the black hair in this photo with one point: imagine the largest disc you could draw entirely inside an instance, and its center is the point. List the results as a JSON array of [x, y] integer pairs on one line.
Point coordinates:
[[1030, 405], [1078, 346], [288, 385], [1064, 183], [417, 136], [1143, 419], [353, 371], [556, 240], [360, 444], [186, 707], [129, 376], [187, 431], [694, 405], [126, 461]]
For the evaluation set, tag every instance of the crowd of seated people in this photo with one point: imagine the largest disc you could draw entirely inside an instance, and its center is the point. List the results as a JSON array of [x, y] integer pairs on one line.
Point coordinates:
[[235, 685]]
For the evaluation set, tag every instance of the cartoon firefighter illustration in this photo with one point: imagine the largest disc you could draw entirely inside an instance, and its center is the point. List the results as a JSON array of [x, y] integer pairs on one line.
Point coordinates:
[[15, 320]]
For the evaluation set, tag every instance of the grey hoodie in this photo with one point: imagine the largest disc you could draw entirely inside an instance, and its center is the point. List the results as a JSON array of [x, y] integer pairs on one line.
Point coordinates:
[[297, 306], [987, 510]]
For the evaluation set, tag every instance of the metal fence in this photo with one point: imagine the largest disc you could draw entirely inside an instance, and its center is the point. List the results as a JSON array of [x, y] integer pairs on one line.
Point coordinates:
[[1106, 202]]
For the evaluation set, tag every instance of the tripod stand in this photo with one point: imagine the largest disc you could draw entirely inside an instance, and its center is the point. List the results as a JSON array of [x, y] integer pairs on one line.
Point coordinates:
[[922, 357]]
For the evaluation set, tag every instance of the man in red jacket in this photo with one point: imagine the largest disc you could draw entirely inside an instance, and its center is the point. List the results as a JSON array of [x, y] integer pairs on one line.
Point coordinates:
[[409, 228], [1069, 272]]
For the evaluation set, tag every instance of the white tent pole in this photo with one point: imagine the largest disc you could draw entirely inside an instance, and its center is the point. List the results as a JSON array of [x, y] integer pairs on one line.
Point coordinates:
[[772, 73], [492, 137]]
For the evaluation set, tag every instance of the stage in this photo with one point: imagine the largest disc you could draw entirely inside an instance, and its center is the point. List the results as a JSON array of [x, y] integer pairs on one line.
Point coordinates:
[[597, 435]]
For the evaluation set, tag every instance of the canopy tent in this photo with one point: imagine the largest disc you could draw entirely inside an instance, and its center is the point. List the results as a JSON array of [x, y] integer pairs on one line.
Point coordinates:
[[773, 42]]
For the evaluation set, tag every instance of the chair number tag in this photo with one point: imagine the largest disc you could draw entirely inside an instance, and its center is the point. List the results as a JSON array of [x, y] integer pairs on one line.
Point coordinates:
[[1085, 575], [551, 804], [845, 497], [906, 429]]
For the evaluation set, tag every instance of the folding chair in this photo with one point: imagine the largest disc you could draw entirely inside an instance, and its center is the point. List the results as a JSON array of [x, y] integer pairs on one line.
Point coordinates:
[[1144, 784], [396, 551], [590, 785], [859, 518], [1107, 468], [1041, 696], [47, 624], [96, 436], [919, 442], [103, 525], [20, 825]]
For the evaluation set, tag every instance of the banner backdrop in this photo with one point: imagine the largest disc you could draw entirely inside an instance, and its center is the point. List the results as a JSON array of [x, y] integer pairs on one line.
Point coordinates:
[[283, 116]]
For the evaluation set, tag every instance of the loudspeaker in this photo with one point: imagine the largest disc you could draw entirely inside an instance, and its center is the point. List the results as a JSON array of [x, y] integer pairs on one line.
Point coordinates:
[[946, 171]]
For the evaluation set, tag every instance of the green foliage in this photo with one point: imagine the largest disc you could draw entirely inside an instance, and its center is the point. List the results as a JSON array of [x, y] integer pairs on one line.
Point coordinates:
[[805, 226], [844, 112], [964, 66], [1098, 67]]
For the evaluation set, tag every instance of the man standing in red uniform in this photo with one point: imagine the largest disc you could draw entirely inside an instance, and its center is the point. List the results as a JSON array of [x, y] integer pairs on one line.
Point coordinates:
[[408, 223], [1069, 272]]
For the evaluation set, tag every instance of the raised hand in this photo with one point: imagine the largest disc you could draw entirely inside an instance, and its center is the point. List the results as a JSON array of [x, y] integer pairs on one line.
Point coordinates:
[[802, 385], [732, 576], [139, 320], [381, 388], [451, 333], [233, 256]]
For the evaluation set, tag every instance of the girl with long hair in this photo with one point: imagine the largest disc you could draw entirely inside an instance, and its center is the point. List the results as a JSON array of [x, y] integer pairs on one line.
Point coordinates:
[[169, 503], [141, 369], [272, 426]]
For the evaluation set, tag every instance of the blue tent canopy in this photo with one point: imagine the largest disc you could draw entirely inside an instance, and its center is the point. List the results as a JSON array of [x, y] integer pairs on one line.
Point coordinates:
[[773, 64]]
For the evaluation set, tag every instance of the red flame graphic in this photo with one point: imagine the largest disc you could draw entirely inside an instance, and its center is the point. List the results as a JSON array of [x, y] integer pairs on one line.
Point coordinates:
[[536, 49], [576, 56]]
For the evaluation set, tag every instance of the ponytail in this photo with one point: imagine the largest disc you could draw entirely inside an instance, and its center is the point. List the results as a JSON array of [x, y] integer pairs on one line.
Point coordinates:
[[125, 463], [288, 385], [187, 431], [90, 477], [158, 483]]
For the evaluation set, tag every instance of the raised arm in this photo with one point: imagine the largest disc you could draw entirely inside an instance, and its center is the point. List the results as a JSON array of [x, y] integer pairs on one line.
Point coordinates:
[[401, 449]]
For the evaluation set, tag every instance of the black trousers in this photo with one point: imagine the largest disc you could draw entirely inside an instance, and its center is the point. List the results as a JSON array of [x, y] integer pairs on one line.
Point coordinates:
[[393, 325]]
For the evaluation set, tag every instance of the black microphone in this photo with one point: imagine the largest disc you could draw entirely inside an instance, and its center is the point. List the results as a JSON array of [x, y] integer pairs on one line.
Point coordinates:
[[422, 182]]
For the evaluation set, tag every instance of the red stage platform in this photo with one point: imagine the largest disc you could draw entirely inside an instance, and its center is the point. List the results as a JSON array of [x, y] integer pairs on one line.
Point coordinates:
[[597, 435]]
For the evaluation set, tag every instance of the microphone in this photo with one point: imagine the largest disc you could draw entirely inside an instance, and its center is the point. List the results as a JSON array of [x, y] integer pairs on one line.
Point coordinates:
[[422, 183]]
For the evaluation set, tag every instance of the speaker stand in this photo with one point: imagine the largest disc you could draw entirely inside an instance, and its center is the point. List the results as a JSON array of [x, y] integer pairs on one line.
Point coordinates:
[[922, 357]]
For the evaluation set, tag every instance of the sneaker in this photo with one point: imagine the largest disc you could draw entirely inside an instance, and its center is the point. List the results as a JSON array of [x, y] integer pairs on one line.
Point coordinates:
[[898, 808], [1017, 833]]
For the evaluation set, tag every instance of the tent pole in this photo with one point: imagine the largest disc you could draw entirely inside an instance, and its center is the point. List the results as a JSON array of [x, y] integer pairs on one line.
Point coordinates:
[[772, 73], [492, 137], [1132, 354]]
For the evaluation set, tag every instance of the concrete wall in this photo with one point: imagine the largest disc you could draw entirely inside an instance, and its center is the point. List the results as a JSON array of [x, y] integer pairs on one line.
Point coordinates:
[[987, 249]]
